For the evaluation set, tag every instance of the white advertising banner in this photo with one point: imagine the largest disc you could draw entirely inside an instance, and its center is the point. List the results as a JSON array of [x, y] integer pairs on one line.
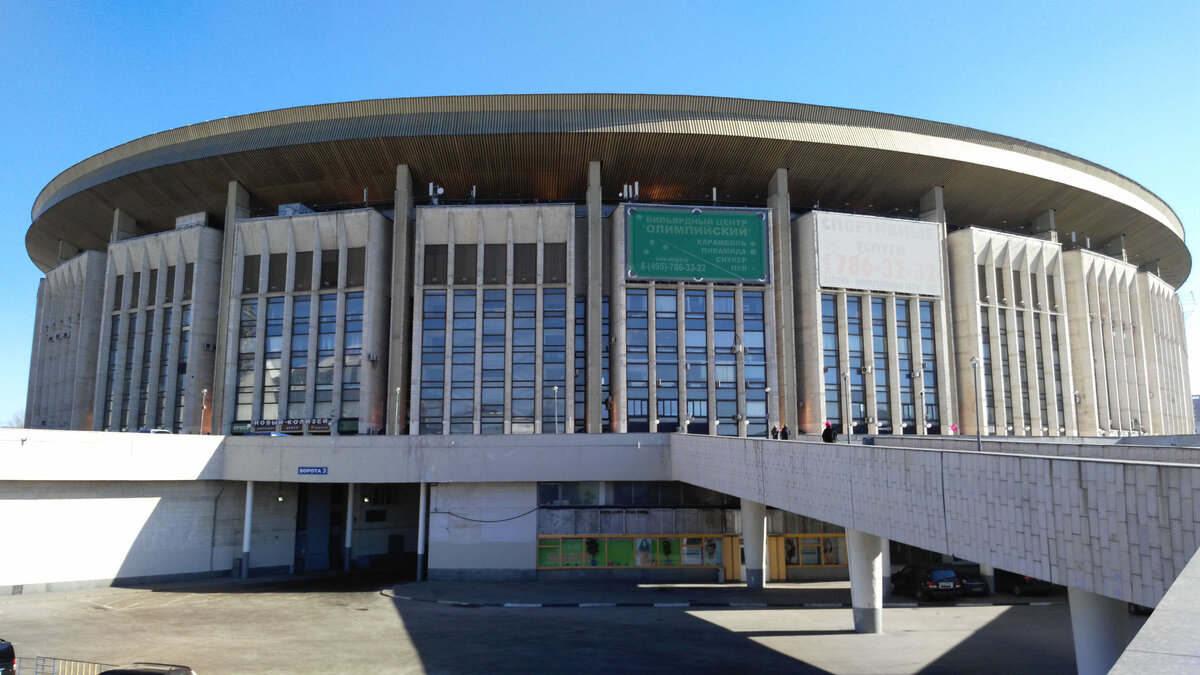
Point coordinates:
[[878, 254]]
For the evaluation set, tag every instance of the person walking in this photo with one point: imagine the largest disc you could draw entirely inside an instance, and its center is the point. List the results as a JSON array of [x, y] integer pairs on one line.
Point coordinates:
[[774, 431], [784, 433], [829, 435]]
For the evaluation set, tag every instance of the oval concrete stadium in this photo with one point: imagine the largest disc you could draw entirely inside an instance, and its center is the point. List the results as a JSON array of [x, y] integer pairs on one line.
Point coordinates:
[[327, 307]]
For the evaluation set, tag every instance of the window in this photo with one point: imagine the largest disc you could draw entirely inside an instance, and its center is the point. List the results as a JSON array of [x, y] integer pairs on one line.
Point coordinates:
[[466, 264], [524, 263], [329, 268], [435, 263], [554, 258], [250, 268], [303, 273], [276, 272], [356, 265], [495, 263], [433, 360]]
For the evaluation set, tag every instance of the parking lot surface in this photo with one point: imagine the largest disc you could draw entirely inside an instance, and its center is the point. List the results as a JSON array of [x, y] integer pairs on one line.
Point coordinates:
[[362, 624]]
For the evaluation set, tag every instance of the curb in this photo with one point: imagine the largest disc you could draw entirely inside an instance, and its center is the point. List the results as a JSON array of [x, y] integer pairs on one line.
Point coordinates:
[[387, 593]]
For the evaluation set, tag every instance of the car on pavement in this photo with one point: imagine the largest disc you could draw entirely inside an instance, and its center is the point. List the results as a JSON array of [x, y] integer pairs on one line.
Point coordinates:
[[1021, 584], [8, 658], [927, 582]]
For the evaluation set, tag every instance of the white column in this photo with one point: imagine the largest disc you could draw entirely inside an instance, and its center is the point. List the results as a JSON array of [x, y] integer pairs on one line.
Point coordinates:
[[866, 580], [989, 575], [422, 531], [349, 526], [247, 522], [1100, 625], [754, 517]]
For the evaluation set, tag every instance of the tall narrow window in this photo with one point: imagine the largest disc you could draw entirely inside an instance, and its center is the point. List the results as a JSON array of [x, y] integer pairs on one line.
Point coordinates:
[[247, 346], [250, 267], [879, 344], [298, 359], [356, 266], [492, 370], [666, 359], [695, 321], [754, 359], [466, 264], [637, 369], [435, 264], [185, 341], [524, 360], [329, 268], [462, 370], [909, 376], [352, 330], [326, 355], [276, 272], [554, 359], [580, 364], [433, 361], [929, 373], [831, 370], [304, 271], [272, 358], [856, 358]]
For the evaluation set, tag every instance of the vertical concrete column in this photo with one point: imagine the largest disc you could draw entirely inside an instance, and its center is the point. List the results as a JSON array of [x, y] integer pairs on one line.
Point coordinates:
[[754, 541], [1100, 625], [933, 209], [247, 524], [866, 580], [422, 530], [989, 575], [237, 205], [616, 317], [349, 526], [780, 308], [594, 291], [402, 300], [124, 226]]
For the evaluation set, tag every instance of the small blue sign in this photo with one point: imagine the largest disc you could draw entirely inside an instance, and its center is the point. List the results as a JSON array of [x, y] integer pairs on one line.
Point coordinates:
[[313, 470]]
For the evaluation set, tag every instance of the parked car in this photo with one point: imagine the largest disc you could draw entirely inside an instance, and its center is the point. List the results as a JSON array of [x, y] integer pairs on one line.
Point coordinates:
[[8, 658], [973, 584], [149, 669], [923, 582], [1021, 584]]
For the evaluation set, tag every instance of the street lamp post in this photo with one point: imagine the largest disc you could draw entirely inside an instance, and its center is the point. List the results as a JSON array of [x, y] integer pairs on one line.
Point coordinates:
[[556, 408], [978, 426], [846, 395], [203, 408], [1077, 398]]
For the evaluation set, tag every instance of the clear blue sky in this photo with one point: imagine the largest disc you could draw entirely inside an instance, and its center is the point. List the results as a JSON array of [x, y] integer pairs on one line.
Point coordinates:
[[1117, 83]]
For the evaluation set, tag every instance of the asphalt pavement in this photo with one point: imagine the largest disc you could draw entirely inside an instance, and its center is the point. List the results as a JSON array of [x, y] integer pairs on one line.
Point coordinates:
[[372, 624]]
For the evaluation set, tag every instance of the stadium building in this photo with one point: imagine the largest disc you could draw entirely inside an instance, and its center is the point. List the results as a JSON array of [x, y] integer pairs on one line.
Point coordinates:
[[605, 268]]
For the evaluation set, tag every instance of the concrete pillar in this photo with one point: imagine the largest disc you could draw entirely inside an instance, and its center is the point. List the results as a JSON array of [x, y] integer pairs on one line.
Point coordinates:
[[1100, 625], [780, 308], [124, 226], [247, 523], [594, 291], [866, 576], [349, 526], [402, 298], [1044, 226], [989, 575], [422, 531], [237, 205], [754, 528]]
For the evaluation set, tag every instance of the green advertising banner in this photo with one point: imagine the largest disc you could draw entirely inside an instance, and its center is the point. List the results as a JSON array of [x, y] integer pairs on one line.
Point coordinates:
[[696, 244]]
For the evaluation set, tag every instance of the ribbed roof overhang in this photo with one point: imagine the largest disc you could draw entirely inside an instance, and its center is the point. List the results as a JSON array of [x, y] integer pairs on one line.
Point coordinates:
[[536, 148]]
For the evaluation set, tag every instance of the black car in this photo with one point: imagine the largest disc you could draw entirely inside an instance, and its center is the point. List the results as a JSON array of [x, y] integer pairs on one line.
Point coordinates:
[[8, 658], [926, 582], [1021, 584]]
